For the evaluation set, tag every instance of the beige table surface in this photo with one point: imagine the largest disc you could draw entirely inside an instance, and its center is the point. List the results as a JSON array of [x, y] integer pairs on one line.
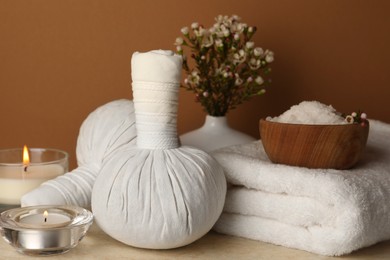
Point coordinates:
[[98, 245]]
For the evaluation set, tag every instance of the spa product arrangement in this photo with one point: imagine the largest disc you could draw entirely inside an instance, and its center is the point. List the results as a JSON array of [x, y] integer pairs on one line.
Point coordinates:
[[148, 191], [180, 190], [324, 211]]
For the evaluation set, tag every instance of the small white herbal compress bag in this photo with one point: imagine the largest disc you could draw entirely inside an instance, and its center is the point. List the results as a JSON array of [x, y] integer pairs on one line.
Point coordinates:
[[158, 194], [108, 128]]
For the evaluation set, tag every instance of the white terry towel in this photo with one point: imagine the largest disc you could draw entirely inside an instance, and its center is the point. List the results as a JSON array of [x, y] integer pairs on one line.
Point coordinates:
[[324, 211]]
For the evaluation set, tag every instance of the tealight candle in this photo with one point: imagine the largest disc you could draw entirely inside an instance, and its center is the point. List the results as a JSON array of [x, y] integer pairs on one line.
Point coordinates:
[[45, 220], [45, 230], [19, 174]]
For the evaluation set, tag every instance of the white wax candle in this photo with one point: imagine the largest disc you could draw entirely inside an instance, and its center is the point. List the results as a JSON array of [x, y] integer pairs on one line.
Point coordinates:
[[15, 182], [40, 220]]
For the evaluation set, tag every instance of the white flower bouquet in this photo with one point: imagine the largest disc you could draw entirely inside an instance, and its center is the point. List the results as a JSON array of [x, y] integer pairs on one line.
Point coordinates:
[[229, 69]]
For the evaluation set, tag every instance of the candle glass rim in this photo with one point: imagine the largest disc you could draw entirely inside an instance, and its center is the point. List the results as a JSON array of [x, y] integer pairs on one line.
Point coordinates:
[[40, 241], [64, 158], [81, 217]]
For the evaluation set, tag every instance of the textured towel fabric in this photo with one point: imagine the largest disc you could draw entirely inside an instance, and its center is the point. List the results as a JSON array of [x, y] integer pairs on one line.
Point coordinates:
[[324, 211]]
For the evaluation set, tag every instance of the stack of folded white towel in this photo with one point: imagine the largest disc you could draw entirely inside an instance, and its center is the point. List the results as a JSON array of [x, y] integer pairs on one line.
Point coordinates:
[[328, 212]]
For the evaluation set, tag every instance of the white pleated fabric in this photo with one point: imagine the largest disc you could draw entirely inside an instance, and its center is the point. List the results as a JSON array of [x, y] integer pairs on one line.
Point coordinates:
[[109, 128], [158, 194]]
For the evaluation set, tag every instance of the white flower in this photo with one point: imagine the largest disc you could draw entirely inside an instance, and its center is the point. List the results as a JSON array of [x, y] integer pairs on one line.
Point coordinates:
[[222, 31], [184, 30], [349, 119], [354, 114], [218, 43], [259, 80], [239, 57], [237, 28], [269, 59], [219, 19], [200, 32], [363, 116], [238, 81], [254, 64], [194, 25], [226, 33], [223, 20], [269, 56], [241, 27], [249, 45], [258, 52], [228, 48], [194, 78], [207, 41], [179, 41]]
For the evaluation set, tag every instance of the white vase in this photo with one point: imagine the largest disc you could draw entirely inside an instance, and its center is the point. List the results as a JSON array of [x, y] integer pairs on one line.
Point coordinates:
[[214, 134]]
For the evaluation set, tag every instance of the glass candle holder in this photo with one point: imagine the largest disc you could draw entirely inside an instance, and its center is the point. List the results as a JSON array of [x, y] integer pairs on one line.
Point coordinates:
[[45, 230], [18, 178]]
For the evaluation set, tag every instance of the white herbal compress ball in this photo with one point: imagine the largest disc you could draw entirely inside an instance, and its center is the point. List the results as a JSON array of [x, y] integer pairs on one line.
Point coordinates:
[[158, 194], [109, 128]]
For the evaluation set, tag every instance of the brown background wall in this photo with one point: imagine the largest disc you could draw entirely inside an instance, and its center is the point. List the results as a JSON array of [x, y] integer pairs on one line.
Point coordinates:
[[60, 59]]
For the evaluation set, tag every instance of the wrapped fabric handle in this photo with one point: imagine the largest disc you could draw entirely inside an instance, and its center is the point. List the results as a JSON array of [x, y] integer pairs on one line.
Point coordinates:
[[156, 82]]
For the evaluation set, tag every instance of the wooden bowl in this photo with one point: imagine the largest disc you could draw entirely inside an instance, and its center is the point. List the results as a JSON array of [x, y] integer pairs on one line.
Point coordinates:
[[314, 146]]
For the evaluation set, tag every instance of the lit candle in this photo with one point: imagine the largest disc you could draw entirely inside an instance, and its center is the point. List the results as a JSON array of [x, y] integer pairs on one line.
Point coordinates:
[[19, 176], [45, 230], [45, 220]]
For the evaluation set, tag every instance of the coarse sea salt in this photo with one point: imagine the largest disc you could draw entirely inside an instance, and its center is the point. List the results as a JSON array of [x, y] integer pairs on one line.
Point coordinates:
[[310, 113]]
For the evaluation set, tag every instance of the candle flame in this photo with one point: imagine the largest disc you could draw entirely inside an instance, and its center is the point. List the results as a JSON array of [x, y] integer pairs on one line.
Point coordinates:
[[45, 214], [26, 156]]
